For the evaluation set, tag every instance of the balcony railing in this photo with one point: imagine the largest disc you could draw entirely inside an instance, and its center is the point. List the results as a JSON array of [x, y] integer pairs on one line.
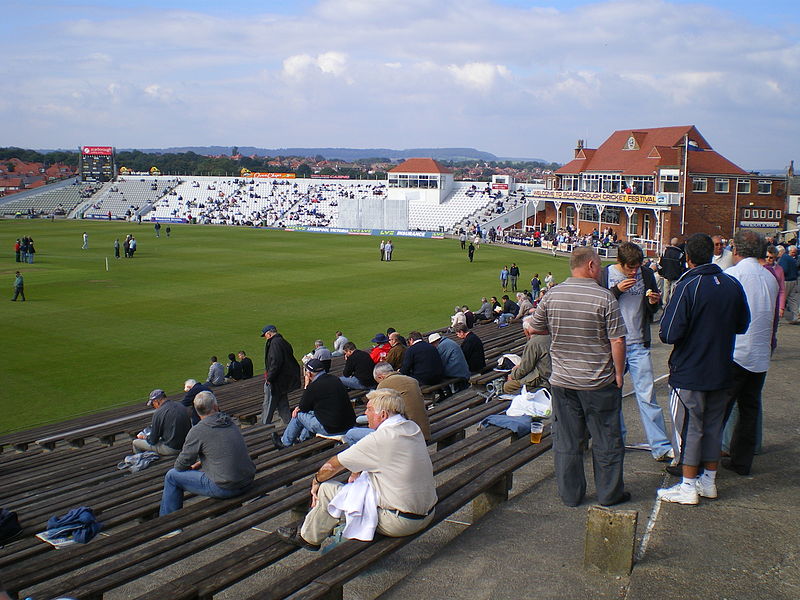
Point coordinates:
[[661, 199]]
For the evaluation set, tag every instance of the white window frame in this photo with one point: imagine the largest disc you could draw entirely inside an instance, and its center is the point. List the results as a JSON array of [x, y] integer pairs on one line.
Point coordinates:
[[767, 183], [743, 186], [719, 184], [696, 185], [746, 213]]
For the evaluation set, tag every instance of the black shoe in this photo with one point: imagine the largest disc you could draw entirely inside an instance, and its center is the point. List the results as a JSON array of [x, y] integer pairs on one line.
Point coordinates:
[[276, 441], [624, 498], [727, 464], [289, 534], [674, 470]]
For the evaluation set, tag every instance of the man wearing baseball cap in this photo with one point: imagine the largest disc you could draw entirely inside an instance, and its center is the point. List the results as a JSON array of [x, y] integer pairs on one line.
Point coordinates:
[[281, 375], [324, 408], [168, 429]]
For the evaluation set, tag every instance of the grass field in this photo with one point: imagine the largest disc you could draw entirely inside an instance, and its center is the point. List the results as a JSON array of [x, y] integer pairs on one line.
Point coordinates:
[[88, 338]]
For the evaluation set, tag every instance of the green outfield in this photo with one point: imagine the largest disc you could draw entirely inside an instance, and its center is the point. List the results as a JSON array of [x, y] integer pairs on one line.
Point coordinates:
[[90, 338]]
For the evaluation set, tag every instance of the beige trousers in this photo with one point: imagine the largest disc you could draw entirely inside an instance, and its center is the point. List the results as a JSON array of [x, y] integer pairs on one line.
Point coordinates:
[[319, 523], [160, 447]]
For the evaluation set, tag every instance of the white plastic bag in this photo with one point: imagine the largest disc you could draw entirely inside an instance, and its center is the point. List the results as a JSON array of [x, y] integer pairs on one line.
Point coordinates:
[[533, 404]]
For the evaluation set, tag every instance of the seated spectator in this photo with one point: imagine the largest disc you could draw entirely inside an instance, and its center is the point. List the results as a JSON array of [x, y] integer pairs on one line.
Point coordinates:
[[414, 403], [247, 365], [485, 313], [524, 306], [396, 461], [453, 362], [421, 361], [322, 354], [338, 344], [398, 349], [472, 347], [234, 372], [381, 348], [458, 317], [508, 311], [216, 373], [214, 461], [535, 367], [192, 387], [324, 408], [469, 316], [168, 428], [357, 373]]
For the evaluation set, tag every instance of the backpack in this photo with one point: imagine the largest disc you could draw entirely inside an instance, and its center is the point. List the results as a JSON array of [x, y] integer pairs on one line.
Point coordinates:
[[9, 525]]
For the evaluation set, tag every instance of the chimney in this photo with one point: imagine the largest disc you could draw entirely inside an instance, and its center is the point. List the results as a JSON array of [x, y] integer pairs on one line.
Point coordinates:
[[578, 148]]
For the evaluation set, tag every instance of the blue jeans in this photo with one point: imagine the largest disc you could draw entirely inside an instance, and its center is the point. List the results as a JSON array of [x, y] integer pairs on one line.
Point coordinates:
[[301, 428], [352, 383], [195, 482], [637, 361], [505, 317], [357, 433]]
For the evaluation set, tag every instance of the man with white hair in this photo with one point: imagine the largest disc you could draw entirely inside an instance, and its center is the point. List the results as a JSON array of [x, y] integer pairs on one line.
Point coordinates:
[[214, 461], [535, 367], [398, 467], [192, 387], [722, 257]]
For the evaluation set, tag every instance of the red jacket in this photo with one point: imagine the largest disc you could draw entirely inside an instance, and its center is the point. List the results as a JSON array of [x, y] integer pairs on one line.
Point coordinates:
[[378, 353]]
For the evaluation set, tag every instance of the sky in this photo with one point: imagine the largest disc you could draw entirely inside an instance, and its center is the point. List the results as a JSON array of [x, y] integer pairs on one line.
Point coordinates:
[[517, 78]]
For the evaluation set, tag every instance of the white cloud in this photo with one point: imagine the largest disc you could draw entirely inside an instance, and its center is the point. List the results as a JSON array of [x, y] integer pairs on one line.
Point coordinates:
[[478, 75]]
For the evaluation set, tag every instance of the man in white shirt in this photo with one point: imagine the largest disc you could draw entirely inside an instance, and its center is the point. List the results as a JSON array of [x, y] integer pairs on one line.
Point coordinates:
[[752, 351], [405, 490], [722, 256], [338, 344]]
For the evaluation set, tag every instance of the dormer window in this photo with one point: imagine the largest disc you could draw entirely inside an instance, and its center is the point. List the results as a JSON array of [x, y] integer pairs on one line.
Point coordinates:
[[631, 143]]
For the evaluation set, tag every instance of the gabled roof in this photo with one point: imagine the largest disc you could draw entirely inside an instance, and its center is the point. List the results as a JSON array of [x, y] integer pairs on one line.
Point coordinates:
[[650, 150], [420, 165]]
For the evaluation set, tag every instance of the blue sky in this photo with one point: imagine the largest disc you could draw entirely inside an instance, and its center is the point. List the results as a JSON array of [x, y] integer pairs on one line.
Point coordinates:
[[513, 77]]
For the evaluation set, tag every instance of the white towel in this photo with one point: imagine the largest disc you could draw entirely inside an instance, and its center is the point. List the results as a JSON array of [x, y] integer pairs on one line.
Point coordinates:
[[356, 501]]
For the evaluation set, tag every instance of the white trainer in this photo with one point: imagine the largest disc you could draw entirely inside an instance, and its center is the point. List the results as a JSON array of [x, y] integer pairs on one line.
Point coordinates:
[[679, 494], [705, 488]]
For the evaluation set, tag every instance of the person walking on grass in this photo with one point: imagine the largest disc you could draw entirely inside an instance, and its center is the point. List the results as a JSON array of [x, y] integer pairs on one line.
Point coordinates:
[[19, 287]]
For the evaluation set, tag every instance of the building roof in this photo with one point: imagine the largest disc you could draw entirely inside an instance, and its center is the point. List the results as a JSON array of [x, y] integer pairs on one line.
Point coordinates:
[[420, 165], [643, 151]]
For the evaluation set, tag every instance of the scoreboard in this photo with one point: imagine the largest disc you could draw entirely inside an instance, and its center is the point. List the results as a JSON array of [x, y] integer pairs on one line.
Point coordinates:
[[97, 163]]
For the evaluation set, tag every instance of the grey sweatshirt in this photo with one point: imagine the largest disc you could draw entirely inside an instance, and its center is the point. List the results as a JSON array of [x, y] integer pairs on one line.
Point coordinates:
[[219, 446]]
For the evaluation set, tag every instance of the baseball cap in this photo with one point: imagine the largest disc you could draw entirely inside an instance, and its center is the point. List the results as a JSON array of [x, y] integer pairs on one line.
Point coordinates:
[[315, 366], [434, 337], [268, 328], [155, 395]]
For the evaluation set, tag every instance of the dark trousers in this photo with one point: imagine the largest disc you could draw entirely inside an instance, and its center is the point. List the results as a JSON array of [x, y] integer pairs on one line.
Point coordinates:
[[574, 413], [275, 400], [746, 393], [19, 292]]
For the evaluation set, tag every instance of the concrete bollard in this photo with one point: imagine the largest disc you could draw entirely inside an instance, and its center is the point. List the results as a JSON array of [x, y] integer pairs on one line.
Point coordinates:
[[610, 540]]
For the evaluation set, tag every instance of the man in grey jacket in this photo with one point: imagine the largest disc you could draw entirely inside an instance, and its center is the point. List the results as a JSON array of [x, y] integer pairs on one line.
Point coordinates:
[[216, 445]]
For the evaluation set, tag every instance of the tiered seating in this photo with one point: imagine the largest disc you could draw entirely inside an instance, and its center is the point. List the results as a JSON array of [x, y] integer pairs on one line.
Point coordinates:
[[463, 201], [58, 200], [128, 195], [38, 484]]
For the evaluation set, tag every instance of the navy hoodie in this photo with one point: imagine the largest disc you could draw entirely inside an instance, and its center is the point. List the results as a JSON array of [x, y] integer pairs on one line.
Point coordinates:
[[706, 311]]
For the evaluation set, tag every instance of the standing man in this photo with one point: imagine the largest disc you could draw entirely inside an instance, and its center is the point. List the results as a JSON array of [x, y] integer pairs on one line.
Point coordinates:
[[588, 358], [281, 375], [723, 257], [324, 408], [504, 278], [463, 239], [383, 249], [671, 267], [216, 446], [85, 241], [635, 289], [752, 349], [116, 248], [19, 287], [788, 262], [513, 275], [388, 250], [707, 310], [157, 228], [471, 252], [168, 429]]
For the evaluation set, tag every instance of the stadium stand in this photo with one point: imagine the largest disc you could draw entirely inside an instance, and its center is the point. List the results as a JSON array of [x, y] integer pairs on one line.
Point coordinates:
[[136, 559], [57, 200], [129, 196]]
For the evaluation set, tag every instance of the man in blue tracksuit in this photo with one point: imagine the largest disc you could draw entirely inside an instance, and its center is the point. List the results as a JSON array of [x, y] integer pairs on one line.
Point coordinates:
[[707, 309]]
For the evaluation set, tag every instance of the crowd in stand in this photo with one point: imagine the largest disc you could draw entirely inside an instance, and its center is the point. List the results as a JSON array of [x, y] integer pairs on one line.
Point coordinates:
[[721, 324]]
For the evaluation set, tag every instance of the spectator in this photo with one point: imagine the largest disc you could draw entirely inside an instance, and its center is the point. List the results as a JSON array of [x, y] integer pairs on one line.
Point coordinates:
[[422, 361], [472, 347], [168, 428], [234, 371], [281, 375], [535, 367], [247, 365], [358, 365], [398, 348], [453, 362], [338, 344], [381, 348], [192, 387], [216, 373], [217, 447]]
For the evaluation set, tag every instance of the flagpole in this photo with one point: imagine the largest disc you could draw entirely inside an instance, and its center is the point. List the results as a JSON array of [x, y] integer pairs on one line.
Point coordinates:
[[685, 178]]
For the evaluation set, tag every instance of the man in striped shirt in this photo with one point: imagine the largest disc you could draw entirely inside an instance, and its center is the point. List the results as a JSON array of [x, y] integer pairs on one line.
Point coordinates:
[[588, 353]]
